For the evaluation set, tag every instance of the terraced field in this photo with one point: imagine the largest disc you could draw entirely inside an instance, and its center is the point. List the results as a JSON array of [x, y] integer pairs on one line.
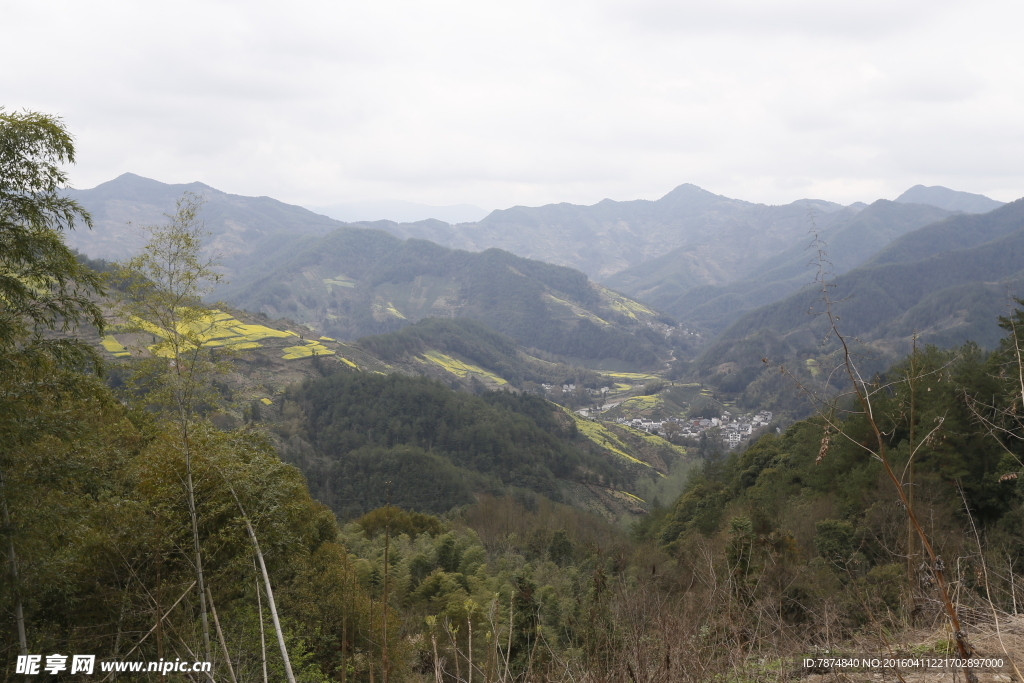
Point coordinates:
[[635, 377], [114, 347], [217, 329], [641, 403], [603, 437], [460, 368], [339, 281], [385, 309], [654, 440], [568, 310], [311, 348], [626, 306]]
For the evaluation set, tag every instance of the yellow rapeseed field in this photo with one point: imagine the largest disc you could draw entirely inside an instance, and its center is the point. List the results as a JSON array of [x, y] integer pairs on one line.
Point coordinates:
[[310, 348], [460, 368], [216, 329]]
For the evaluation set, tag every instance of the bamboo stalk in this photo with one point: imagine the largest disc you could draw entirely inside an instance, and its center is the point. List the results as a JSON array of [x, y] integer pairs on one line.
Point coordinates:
[[266, 581], [437, 662], [190, 487], [385, 665], [263, 637], [150, 631], [220, 636]]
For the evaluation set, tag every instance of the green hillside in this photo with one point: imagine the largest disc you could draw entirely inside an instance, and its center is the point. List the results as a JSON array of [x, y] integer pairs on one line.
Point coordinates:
[[947, 297], [352, 431], [852, 237], [243, 231], [355, 282], [413, 406], [806, 519], [955, 232], [469, 350]]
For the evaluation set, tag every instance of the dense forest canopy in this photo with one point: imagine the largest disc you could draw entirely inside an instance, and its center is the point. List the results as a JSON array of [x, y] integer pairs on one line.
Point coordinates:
[[435, 445], [478, 343]]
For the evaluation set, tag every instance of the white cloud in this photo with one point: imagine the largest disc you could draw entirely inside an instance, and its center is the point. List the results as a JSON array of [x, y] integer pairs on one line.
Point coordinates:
[[498, 104]]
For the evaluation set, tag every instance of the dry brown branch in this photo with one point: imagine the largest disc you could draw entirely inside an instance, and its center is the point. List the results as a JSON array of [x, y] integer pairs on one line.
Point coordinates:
[[864, 394]]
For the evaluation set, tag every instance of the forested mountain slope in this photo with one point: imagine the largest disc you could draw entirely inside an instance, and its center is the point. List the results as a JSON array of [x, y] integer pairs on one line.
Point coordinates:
[[666, 252], [851, 237], [956, 232], [353, 282], [414, 407], [949, 291], [718, 234], [441, 448], [243, 230], [467, 350], [807, 518], [701, 257], [734, 256]]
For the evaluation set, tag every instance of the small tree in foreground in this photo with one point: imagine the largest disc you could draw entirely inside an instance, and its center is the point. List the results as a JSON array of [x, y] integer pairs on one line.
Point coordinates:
[[865, 393], [162, 290]]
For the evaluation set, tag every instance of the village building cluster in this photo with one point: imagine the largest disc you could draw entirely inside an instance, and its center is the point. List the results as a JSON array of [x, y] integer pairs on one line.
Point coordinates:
[[731, 429], [571, 388]]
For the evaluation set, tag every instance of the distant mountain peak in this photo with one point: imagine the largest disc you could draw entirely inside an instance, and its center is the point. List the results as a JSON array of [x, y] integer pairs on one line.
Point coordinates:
[[237, 225], [689, 190], [951, 200], [136, 180], [688, 187], [689, 196], [134, 187]]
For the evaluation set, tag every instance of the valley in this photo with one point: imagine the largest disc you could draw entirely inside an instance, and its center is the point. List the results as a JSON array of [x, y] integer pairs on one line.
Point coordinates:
[[519, 434], [728, 285], [476, 342]]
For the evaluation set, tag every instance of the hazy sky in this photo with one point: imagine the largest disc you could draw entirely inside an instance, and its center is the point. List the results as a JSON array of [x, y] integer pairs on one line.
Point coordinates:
[[524, 102]]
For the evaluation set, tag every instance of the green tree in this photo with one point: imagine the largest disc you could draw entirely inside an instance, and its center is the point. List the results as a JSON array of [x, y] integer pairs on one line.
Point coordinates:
[[834, 541], [42, 288], [42, 284], [162, 294]]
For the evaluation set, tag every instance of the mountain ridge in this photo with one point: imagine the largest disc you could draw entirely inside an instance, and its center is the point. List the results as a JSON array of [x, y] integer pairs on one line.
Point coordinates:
[[949, 294], [244, 231], [603, 238], [355, 281], [850, 237], [400, 212], [737, 255]]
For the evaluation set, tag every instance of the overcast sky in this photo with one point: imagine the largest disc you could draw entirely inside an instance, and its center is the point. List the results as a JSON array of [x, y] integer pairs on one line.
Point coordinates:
[[497, 104]]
